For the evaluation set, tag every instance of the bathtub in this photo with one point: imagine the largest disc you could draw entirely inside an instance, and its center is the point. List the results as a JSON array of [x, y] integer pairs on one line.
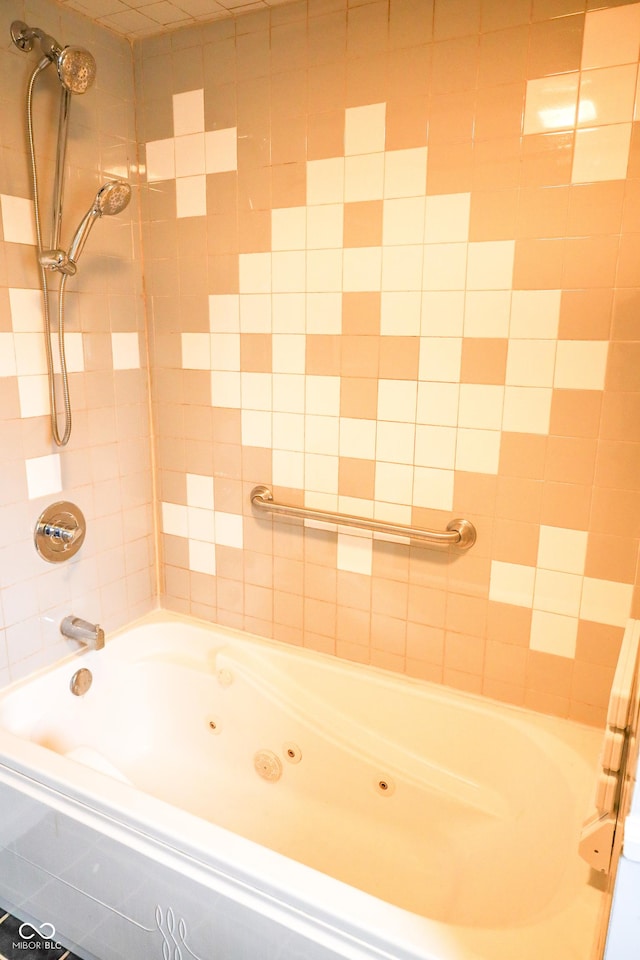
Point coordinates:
[[218, 796]]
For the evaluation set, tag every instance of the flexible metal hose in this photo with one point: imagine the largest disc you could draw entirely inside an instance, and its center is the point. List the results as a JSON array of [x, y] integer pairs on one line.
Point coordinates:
[[60, 440]]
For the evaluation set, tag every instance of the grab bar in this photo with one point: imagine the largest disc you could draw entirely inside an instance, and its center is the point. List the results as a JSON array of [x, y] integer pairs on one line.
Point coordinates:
[[459, 533]]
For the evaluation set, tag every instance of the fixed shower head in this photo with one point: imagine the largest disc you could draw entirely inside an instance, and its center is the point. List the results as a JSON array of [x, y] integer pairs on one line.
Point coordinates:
[[112, 197], [76, 67]]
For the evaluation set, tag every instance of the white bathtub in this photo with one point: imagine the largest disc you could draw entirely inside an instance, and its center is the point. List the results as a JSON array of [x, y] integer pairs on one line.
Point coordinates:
[[218, 796]]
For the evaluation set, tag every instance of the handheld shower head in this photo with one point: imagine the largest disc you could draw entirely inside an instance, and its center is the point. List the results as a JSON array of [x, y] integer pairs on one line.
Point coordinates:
[[111, 198], [76, 67]]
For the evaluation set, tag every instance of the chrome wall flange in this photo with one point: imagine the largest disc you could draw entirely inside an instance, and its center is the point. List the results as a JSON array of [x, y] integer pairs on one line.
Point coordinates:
[[60, 531], [22, 36]]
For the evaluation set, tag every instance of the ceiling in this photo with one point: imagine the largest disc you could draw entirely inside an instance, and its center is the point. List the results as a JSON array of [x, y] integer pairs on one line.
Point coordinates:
[[145, 18]]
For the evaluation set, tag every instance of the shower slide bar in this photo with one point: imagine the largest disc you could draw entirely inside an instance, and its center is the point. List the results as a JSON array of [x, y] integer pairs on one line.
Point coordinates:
[[459, 533]]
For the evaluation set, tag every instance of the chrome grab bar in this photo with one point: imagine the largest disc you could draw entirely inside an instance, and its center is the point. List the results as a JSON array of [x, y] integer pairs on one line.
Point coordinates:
[[459, 533]]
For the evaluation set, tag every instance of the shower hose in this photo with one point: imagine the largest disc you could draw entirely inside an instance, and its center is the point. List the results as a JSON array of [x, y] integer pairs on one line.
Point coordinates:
[[61, 439]]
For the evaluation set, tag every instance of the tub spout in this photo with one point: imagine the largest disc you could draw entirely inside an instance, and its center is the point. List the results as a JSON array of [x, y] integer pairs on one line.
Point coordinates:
[[91, 634]]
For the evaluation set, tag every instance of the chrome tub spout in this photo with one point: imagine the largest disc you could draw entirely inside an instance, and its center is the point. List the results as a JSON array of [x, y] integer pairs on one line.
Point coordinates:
[[91, 634]]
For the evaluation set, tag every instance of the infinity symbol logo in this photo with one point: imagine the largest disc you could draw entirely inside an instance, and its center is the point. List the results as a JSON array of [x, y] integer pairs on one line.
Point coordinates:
[[47, 931]]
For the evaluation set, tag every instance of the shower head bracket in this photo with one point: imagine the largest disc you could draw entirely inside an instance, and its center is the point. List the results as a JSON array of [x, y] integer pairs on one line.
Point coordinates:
[[22, 36]]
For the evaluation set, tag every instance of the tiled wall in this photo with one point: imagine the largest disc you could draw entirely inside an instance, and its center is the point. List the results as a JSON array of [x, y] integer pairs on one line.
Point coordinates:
[[106, 467], [392, 258]]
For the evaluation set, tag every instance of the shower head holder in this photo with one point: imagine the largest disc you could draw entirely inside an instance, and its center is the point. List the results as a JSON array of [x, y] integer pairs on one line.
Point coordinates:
[[23, 37]]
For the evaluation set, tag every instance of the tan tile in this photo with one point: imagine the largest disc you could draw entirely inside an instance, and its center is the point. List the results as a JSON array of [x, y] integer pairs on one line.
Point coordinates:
[[595, 208], [360, 355], [410, 23], [542, 212], [585, 314], [327, 87], [325, 135], [323, 355], [288, 574], [538, 264], [359, 398], [425, 644], [622, 372], [499, 111], [356, 478], [620, 416], [547, 159], [508, 624], [320, 582], [319, 617], [389, 597], [410, 71], [289, 139], [354, 590], [592, 684], [566, 505], [363, 224], [615, 512], [463, 653], [611, 558], [519, 499], [451, 119], [426, 606], [503, 691], [456, 19], [366, 80], [571, 460], [466, 615], [223, 274], [352, 627], [549, 674], [454, 65], [617, 465], [450, 167], [503, 52], [493, 214], [361, 313], [256, 465], [515, 541], [590, 262], [253, 231], [628, 274], [255, 352], [505, 662], [319, 642], [598, 643], [498, 16], [556, 45], [483, 360], [474, 493], [522, 455], [289, 184], [406, 122], [399, 358], [626, 314], [390, 560], [389, 635], [575, 413], [469, 682]]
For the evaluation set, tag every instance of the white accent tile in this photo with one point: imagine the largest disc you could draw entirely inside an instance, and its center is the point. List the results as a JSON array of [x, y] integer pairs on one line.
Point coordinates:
[[442, 313], [125, 350], [174, 519], [196, 351], [256, 428], [325, 181], [447, 218], [402, 267], [400, 313], [288, 392], [438, 403], [527, 409], [480, 406], [490, 265], [611, 36], [289, 228], [486, 313], [608, 94], [189, 152], [445, 266], [18, 219], [200, 524], [433, 488], [287, 469], [225, 389], [289, 311], [405, 172], [224, 312], [288, 271], [324, 312], [557, 592], [355, 554], [440, 359], [606, 601], [321, 473], [512, 583], [530, 363], [288, 431], [560, 548], [255, 272], [325, 226], [395, 442], [362, 268], [364, 129], [535, 314], [256, 389], [191, 197], [200, 491], [322, 435], [363, 177], [160, 160], [7, 356], [394, 482], [188, 112], [551, 103], [229, 529], [322, 396], [581, 364], [202, 557], [478, 451], [288, 353], [324, 271], [27, 308], [601, 153], [255, 312], [44, 475], [435, 446], [221, 150], [403, 221], [553, 633], [357, 438], [33, 396], [397, 400], [30, 353]]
